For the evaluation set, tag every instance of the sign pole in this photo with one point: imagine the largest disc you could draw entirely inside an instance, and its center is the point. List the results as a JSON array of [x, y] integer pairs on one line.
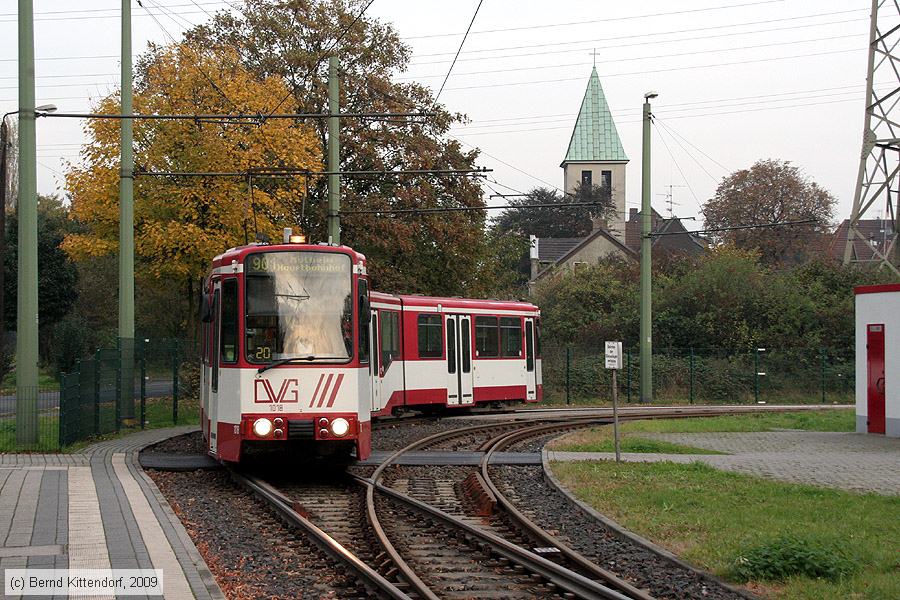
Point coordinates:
[[613, 360], [615, 399]]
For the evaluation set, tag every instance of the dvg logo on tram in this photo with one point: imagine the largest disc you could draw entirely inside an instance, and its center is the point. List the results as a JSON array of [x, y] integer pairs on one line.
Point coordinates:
[[264, 393]]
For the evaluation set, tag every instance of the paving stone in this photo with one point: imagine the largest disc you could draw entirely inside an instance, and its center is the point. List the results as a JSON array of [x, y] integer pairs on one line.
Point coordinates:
[[849, 461]]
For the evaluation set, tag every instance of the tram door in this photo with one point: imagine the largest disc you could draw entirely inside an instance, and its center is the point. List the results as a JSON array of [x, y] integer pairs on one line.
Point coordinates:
[[530, 371], [460, 379], [214, 369]]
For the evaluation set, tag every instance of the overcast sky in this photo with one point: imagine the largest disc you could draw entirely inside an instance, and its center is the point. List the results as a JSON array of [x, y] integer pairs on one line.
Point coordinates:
[[738, 80]]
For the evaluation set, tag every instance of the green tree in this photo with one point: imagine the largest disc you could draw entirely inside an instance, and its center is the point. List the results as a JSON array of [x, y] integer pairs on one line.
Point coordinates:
[[430, 253], [561, 220], [771, 191], [57, 275]]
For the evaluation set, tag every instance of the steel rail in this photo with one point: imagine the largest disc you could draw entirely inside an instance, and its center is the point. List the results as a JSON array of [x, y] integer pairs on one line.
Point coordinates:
[[284, 507], [560, 576], [532, 528]]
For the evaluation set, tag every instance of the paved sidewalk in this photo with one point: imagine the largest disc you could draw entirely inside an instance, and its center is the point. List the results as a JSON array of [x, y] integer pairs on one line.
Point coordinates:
[[97, 509], [850, 461]]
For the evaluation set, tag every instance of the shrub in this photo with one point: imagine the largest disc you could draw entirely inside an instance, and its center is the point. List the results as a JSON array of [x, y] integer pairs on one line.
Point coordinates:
[[189, 379], [787, 556]]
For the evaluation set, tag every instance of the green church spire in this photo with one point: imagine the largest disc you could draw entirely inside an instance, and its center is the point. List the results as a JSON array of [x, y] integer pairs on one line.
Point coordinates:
[[595, 137]]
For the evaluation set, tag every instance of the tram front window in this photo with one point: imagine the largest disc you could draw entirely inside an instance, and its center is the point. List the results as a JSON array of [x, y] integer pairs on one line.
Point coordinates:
[[298, 306]]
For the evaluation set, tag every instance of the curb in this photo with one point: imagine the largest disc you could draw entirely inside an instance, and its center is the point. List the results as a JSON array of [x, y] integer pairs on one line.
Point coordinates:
[[620, 531], [155, 496]]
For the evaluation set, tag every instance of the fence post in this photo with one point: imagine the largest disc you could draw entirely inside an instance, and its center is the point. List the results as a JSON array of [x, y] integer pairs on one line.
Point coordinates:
[[143, 384], [118, 405], [61, 431], [822, 353], [568, 374], [692, 376], [175, 382], [628, 374], [756, 375], [97, 374]]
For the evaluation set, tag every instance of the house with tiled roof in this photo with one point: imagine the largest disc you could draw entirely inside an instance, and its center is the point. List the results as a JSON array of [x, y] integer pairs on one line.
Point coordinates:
[[874, 237], [670, 235]]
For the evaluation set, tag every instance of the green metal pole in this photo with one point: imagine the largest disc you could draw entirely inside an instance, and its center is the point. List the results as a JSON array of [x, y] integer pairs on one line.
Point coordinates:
[[27, 284], [628, 376], [822, 352], [646, 323], [126, 227], [568, 372], [334, 154]]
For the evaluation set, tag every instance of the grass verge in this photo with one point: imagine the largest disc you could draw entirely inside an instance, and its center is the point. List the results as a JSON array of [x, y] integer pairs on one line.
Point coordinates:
[[722, 521], [599, 439]]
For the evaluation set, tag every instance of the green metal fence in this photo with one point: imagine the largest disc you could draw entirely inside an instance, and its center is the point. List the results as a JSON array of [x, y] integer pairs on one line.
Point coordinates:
[[93, 400], [704, 375]]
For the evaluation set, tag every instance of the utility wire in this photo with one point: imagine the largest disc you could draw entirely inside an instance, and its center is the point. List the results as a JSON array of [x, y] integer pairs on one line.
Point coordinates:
[[458, 50], [686, 68], [677, 166], [690, 155], [115, 10], [642, 41], [671, 130], [654, 57], [606, 20]]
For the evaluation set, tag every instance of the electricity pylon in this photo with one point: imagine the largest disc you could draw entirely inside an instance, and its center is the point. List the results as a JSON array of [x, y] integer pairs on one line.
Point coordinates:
[[878, 181]]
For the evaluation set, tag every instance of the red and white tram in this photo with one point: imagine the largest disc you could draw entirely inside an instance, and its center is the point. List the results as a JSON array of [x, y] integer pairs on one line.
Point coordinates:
[[297, 351]]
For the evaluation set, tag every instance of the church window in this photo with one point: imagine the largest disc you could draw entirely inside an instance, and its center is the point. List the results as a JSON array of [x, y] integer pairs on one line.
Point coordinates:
[[606, 179], [586, 179]]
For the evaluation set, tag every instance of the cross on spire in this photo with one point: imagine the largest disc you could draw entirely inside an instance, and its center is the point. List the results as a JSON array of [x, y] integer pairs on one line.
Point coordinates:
[[594, 54]]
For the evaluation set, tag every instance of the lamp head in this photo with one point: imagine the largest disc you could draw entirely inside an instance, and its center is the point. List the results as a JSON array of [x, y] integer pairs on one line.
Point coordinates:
[[45, 108], [650, 95]]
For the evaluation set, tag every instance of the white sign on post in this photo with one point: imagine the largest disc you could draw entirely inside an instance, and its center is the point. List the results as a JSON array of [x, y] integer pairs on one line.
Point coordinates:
[[613, 355]]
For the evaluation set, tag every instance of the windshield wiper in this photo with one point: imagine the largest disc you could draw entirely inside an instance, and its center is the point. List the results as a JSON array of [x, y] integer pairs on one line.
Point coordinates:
[[295, 359], [294, 296]]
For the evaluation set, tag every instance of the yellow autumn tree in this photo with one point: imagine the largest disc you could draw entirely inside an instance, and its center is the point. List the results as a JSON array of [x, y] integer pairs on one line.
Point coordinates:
[[182, 222]]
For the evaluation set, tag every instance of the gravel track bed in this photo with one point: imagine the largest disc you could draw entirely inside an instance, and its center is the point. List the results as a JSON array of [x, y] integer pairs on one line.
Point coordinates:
[[450, 564], [189, 443], [249, 550], [526, 488], [393, 435]]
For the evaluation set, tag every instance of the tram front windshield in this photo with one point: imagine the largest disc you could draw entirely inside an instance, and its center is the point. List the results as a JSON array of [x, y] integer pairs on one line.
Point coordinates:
[[298, 306]]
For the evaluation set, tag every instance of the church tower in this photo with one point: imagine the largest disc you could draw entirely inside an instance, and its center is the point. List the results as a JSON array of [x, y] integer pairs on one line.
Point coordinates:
[[595, 154]]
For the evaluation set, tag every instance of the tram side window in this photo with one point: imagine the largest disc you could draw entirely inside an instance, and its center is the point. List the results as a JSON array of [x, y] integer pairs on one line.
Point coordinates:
[[465, 345], [487, 337], [537, 337], [451, 346], [228, 348], [363, 325], [510, 337], [430, 336], [390, 337], [215, 344]]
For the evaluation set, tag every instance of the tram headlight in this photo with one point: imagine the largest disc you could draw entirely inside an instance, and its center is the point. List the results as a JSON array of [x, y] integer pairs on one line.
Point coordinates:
[[262, 427], [340, 427]]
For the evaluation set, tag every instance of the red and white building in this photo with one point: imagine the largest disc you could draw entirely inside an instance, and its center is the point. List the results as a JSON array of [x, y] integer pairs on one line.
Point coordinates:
[[878, 359]]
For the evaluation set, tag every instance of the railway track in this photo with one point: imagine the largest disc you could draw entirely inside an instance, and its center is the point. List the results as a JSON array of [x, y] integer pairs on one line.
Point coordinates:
[[448, 532]]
